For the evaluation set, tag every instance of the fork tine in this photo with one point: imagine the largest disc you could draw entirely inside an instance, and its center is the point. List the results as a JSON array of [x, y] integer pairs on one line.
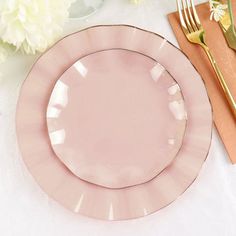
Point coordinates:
[[195, 15], [190, 28], [182, 22], [191, 16]]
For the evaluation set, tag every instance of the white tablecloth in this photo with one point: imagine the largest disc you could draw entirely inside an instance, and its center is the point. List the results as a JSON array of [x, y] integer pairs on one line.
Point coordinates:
[[207, 208]]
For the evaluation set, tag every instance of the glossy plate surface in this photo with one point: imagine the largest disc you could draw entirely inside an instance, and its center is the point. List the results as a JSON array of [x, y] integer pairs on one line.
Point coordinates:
[[93, 200], [116, 118]]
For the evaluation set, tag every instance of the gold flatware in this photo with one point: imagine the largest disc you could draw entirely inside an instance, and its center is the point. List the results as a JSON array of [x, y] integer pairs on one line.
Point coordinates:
[[227, 25], [195, 33]]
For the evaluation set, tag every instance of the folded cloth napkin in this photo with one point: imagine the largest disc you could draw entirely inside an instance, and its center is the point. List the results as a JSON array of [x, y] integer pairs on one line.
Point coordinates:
[[226, 59]]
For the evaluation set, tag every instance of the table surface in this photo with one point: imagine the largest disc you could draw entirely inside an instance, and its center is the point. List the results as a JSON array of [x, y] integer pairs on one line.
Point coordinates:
[[207, 208]]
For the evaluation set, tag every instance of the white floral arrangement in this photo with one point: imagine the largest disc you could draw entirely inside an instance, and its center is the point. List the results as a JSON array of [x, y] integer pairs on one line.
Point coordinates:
[[30, 25], [217, 10]]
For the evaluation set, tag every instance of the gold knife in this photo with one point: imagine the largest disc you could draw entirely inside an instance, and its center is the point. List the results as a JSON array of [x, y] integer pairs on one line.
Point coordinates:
[[227, 25]]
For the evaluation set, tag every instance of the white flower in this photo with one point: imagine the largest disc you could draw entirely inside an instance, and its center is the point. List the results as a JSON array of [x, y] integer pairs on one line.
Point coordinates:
[[217, 10], [32, 25]]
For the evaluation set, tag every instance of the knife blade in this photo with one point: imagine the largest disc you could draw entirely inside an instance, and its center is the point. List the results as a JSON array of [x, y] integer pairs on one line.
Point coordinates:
[[227, 25]]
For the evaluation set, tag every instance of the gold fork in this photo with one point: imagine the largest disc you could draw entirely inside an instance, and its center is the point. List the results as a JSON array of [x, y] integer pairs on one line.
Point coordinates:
[[195, 33]]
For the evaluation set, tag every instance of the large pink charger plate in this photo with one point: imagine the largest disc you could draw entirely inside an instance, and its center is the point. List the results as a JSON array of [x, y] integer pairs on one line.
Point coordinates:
[[86, 198]]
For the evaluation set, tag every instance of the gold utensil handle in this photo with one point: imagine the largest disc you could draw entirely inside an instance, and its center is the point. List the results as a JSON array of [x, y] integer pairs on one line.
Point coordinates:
[[222, 81]]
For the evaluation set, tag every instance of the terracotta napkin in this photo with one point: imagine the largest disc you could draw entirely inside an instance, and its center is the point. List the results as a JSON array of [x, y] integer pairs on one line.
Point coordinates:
[[226, 59]]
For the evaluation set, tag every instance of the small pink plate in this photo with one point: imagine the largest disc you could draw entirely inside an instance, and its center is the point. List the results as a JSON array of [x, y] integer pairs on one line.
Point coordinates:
[[63, 177], [116, 118]]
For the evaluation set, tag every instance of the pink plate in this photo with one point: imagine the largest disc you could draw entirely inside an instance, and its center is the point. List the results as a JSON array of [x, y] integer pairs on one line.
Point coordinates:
[[116, 118], [62, 184]]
